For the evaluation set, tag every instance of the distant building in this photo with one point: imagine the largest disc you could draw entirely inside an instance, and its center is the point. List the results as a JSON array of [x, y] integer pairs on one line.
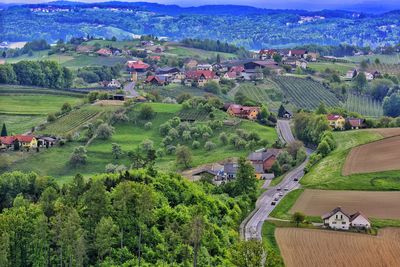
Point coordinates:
[[243, 112], [137, 65], [105, 52], [262, 161], [356, 123], [336, 121], [200, 77]]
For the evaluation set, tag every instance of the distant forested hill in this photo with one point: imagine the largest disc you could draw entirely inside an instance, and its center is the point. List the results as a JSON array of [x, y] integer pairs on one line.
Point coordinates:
[[246, 26]]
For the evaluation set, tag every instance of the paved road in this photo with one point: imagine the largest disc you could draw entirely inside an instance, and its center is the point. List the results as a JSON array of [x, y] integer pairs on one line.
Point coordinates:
[[129, 89], [251, 227], [284, 131]]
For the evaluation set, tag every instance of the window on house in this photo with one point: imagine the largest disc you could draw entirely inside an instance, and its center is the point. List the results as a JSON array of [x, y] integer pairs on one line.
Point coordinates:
[[333, 222], [343, 222]]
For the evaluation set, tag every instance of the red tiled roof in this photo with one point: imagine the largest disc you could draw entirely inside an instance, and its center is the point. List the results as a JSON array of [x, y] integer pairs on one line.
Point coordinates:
[[333, 117], [104, 51], [7, 140], [151, 77], [137, 65], [155, 57], [268, 51], [242, 110], [298, 52], [231, 74], [197, 74], [237, 69]]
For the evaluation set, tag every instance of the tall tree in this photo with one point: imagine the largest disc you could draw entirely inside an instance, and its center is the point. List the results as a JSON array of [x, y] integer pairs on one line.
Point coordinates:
[[196, 233], [245, 178], [3, 130], [106, 236]]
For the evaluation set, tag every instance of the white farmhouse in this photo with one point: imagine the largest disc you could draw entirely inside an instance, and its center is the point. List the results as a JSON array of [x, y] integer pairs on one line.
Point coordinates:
[[338, 219]]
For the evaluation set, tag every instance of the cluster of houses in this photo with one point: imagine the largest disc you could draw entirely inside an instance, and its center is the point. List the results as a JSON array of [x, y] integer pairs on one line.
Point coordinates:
[[351, 74], [25, 142], [294, 57], [262, 161], [339, 220], [338, 122], [197, 74]]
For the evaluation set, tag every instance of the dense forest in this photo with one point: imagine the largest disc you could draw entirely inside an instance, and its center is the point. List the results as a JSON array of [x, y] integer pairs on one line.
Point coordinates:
[[251, 30], [141, 217]]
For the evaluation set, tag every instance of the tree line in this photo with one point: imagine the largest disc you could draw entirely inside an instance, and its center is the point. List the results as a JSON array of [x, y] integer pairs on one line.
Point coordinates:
[[40, 73]]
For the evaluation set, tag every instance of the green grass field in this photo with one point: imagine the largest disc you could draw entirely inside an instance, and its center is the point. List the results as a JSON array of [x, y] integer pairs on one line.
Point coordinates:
[[34, 104], [17, 124], [181, 51], [388, 59], [342, 68], [327, 174], [80, 61]]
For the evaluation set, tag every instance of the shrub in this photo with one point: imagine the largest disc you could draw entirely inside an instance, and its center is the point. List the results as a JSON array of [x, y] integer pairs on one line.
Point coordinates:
[[146, 113], [148, 125], [196, 144], [171, 149], [79, 156], [51, 117], [104, 131], [146, 145], [223, 138], [209, 146]]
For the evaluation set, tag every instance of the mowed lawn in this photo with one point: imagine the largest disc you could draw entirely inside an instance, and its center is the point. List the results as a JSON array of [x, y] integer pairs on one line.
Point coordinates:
[[327, 174], [34, 104]]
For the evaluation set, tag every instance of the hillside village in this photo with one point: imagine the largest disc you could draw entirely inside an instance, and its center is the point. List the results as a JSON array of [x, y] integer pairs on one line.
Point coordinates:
[[199, 146]]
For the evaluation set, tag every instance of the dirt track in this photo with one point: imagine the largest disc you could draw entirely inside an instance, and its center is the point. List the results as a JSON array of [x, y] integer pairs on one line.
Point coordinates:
[[378, 156], [383, 205], [309, 248]]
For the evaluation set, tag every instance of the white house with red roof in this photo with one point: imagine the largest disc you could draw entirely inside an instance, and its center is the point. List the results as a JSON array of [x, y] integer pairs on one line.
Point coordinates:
[[25, 141]]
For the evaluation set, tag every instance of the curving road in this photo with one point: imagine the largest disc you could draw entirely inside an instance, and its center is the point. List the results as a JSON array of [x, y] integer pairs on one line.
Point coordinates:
[[251, 227]]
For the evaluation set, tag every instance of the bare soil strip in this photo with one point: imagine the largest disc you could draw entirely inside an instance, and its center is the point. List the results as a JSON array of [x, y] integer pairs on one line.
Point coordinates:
[[309, 248], [378, 156], [374, 204]]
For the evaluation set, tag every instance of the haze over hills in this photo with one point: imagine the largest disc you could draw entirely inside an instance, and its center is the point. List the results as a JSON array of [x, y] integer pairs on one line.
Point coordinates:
[[246, 26]]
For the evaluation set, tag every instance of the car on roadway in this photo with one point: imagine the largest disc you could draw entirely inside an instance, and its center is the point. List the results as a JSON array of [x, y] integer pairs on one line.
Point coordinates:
[[286, 188], [273, 203], [276, 198], [295, 179], [280, 194], [278, 189]]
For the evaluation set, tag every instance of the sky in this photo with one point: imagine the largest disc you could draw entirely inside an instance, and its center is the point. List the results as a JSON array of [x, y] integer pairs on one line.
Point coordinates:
[[273, 4]]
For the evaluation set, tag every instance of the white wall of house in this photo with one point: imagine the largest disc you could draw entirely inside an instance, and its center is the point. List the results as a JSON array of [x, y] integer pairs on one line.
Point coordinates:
[[361, 222], [338, 221]]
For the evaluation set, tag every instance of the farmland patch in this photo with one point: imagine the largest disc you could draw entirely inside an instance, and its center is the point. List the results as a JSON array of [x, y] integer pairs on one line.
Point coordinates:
[[370, 203], [306, 93], [382, 155], [308, 248]]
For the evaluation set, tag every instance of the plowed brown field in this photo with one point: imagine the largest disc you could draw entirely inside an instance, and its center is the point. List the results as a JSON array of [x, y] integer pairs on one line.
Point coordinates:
[[374, 204], [378, 156], [308, 248]]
